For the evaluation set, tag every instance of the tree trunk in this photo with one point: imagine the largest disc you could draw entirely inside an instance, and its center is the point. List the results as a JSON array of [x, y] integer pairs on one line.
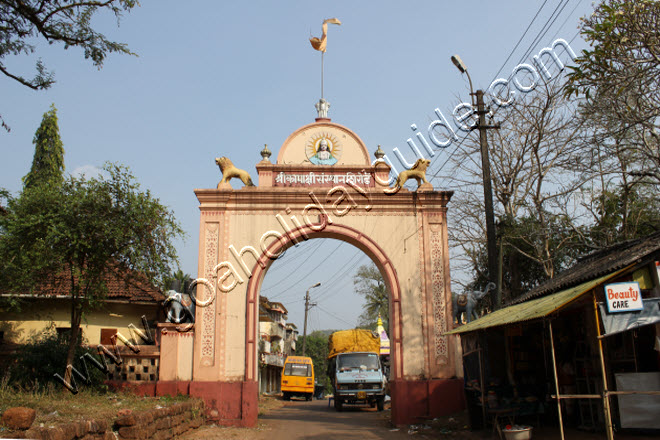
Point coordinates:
[[76, 316]]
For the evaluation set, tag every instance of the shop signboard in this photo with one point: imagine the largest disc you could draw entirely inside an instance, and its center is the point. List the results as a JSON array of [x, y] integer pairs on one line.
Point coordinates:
[[623, 297]]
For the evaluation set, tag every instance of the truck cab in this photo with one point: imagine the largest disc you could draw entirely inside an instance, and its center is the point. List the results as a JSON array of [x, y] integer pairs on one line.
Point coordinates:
[[357, 377]]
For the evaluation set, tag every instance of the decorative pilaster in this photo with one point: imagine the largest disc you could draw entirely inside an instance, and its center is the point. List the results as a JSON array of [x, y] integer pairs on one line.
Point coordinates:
[[211, 243]]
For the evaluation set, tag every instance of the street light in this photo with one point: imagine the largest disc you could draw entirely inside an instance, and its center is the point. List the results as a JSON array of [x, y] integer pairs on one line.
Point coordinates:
[[488, 191], [307, 307], [458, 62]]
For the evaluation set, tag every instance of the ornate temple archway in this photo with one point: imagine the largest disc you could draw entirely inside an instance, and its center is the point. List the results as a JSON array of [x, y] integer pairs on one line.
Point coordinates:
[[323, 185]]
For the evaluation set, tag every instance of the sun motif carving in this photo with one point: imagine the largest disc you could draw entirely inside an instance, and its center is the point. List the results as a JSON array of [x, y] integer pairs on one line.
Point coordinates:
[[323, 148]]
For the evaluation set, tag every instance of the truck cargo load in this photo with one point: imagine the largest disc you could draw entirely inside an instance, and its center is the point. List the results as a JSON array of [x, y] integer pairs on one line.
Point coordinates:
[[347, 341]]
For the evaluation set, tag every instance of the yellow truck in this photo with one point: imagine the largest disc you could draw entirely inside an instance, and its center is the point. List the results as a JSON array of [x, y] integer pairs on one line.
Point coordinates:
[[354, 368]]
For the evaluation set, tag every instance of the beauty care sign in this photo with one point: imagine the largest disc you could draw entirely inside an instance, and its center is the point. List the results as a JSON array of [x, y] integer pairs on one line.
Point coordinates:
[[623, 297]]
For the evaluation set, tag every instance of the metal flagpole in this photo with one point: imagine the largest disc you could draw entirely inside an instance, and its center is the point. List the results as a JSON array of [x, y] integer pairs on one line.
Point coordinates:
[[322, 55]]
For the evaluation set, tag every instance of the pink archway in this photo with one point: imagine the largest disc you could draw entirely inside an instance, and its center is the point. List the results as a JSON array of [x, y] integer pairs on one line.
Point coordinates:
[[340, 232]]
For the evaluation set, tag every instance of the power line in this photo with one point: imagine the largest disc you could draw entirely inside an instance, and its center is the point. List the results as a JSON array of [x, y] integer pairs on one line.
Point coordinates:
[[282, 262], [570, 14], [334, 316], [305, 275], [343, 274], [544, 30], [519, 40], [546, 27]]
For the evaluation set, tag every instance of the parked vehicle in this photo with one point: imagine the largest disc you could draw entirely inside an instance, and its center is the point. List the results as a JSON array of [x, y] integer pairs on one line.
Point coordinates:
[[298, 377], [355, 369]]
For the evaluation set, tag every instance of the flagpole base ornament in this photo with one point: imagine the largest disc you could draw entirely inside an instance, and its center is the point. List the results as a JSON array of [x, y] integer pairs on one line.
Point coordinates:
[[322, 108]]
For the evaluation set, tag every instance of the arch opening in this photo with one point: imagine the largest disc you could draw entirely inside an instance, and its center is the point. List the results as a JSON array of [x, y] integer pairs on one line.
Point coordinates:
[[339, 232]]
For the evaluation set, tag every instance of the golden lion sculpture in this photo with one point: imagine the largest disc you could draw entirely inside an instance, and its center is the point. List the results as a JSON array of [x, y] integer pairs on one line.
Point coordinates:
[[228, 171], [417, 172]]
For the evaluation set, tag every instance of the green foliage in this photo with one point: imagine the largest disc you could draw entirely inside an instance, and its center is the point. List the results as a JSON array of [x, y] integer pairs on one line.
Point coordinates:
[[623, 35], [33, 365], [369, 283], [23, 23], [523, 239], [624, 214], [48, 161], [83, 233], [619, 77], [91, 227], [317, 348], [178, 279]]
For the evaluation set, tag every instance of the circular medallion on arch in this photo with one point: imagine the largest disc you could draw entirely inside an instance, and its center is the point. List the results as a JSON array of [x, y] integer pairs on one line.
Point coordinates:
[[323, 148]]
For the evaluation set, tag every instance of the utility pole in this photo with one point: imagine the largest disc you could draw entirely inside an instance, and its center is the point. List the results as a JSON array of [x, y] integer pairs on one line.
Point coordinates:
[[488, 198], [491, 247], [308, 306]]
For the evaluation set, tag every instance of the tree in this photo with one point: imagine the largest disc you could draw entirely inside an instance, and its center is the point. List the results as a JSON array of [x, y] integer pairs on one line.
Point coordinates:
[[178, 281], [83, 233], [621, 214], [617, 80], [533, 175], [48, 162], [317, 348], [369, 283], [619, 77], [22, 22]]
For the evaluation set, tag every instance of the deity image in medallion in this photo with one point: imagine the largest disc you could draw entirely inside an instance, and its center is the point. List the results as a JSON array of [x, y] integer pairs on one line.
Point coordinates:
[[323, 150]]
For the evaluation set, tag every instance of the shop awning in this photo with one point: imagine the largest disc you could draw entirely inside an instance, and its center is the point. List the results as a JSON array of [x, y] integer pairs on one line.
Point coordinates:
[[534, 309], [621, 322]]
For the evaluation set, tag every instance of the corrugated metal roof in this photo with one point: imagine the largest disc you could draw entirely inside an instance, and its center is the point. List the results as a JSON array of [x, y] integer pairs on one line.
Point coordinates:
[[598, 263], [534, 309]]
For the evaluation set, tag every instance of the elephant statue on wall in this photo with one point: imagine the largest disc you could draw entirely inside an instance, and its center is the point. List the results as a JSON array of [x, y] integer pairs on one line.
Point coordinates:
[[179, 308], [466, 303]]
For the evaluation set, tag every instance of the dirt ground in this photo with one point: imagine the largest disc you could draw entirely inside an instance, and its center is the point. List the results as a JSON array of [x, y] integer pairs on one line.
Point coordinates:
[[317, 420]]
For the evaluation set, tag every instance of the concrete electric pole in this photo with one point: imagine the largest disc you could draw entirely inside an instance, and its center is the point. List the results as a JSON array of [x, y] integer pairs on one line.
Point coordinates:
[[308, 306], [491, 242]]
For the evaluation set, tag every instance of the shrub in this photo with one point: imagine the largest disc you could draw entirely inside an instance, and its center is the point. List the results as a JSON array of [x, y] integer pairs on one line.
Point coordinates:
[[35, 364]]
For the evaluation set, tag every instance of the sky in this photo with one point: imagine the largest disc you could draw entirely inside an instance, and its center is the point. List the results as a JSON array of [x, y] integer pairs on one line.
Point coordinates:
[[215, 79]]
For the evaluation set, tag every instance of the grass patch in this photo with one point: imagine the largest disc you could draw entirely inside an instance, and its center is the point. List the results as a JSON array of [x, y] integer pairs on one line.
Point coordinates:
[[56, 405], [269, 403]]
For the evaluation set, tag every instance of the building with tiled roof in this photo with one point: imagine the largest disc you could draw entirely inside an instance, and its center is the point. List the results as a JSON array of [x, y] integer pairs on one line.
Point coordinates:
[[126, 302]]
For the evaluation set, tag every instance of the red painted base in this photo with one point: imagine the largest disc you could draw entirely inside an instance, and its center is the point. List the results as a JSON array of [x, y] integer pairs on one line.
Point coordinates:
[[229, 403], [172, 388], [137, 388], [416, 400], [226, 403]]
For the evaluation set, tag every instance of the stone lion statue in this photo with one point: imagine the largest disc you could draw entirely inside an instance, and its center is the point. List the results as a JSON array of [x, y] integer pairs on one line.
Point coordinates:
[[228, 171], [417, 172]]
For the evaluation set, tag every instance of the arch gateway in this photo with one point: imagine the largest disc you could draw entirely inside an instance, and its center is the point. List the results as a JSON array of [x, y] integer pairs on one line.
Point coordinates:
[[323, 184]]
